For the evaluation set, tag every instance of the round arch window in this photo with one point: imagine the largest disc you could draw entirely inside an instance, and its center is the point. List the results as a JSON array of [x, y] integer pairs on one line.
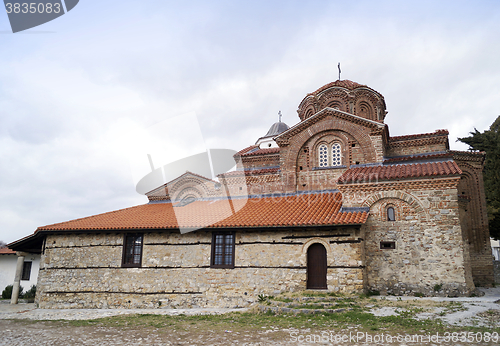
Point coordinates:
[[391, 214]]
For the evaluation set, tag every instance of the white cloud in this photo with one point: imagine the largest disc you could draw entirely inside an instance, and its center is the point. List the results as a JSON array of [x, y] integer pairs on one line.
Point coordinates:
[[73, 103]]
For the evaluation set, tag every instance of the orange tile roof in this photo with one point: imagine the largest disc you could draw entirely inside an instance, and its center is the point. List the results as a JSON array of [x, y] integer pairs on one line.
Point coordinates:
[[419, 135], [425, 157], [247, 149], [347, 84], [7, 251], [295, 210], [272, 170], [391, 172], [262, 152]]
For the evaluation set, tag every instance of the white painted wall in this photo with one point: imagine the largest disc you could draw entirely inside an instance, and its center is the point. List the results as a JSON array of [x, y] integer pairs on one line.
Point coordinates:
[[495, 249], [8, 270]]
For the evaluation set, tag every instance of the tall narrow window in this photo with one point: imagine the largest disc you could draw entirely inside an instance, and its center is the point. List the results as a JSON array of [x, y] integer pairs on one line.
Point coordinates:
[[336, 155], [26, 271], [323, 155], [132, 250], [391, 215], [223, 250]]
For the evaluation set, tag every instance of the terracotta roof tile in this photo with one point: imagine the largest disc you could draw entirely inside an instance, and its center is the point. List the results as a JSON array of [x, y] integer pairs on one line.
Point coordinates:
[[391, 172], [420, 135], [242, 151], [294, 210], [347, 84], [6, 251], [262, 152], [430, 156], [273, 170]]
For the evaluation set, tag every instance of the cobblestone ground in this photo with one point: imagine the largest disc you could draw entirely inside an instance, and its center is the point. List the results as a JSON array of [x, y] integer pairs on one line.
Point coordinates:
[[58, 333], [22, 324], [55, 333]]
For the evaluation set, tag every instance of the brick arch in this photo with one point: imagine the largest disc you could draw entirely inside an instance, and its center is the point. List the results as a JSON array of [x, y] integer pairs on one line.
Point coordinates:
[[297, 142], [365, 109], [375, 101], [386, 203], [335, 97], [185, 183], [307, 108], [401, 195], [340, 137], [478, 239], [190, 190]]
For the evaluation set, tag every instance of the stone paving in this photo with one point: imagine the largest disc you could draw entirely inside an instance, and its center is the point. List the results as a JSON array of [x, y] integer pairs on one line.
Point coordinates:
[[17, 327], [29, 311], [469, 316]]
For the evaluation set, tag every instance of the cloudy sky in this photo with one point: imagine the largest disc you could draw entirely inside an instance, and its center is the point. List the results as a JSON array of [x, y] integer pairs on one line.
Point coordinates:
[[83, 98]]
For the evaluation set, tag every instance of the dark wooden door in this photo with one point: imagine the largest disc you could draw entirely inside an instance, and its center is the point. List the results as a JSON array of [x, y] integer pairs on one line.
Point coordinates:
[[316, 267]]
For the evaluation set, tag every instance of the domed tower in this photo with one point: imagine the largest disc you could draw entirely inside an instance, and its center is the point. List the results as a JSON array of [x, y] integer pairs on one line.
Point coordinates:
[[346, 96], [268, 140]]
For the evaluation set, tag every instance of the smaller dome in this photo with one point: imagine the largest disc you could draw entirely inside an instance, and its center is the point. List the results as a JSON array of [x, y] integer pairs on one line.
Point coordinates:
[[276, 129]]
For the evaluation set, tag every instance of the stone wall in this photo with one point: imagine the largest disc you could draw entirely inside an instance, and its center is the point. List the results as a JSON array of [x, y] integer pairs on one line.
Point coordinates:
[[84, 271], [428, 254]]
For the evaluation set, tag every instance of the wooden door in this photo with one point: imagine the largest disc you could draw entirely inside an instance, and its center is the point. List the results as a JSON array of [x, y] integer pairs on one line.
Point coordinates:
[[316, 267]]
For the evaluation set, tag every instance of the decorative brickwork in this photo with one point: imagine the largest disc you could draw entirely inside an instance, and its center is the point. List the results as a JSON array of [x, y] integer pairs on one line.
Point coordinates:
[[473, 215], [401, 215]]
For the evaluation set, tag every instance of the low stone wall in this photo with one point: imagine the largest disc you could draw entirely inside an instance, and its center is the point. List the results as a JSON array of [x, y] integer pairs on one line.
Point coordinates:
[[84, 271], [496, 270]]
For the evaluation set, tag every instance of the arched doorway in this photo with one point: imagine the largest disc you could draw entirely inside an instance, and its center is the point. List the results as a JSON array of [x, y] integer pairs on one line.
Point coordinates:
[[316, 266]]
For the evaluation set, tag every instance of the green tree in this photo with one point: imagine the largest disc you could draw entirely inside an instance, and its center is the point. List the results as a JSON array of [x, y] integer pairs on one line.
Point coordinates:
[[489, 141]]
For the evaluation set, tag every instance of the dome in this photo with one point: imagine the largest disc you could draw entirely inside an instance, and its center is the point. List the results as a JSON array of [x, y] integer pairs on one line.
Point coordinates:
[[346, 96], [276, 129]]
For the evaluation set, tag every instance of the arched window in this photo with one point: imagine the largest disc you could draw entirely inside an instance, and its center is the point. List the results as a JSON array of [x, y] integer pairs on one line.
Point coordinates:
[[323, 155], [391, 214], [330, 155]]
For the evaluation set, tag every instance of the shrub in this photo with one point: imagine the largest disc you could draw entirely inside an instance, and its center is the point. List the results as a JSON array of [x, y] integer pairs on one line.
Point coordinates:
[[7, 292], [30, 294]]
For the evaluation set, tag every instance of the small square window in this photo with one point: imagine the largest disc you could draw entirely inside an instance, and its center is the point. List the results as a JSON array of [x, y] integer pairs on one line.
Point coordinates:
[[222, 250], [387, 245], [132, 250], [26, 271]]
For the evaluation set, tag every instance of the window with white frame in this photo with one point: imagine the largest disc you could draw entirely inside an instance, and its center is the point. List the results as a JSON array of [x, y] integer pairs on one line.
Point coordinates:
[[323, 155], [336, 155], [330, 155]]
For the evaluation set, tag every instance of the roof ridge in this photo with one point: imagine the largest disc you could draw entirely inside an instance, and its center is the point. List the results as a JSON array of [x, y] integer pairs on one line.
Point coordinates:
[[440, 132], [374, 174]]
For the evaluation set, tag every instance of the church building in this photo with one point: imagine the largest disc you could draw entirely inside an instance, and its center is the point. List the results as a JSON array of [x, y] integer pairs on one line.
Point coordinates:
[[331, 203]]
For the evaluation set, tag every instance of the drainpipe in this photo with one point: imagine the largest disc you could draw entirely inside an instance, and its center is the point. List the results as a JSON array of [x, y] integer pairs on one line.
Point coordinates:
[[17, 279]]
